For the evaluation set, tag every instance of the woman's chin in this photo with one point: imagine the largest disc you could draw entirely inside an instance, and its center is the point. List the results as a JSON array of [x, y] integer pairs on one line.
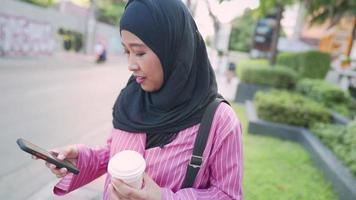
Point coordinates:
[[145, 88], [148, 88]]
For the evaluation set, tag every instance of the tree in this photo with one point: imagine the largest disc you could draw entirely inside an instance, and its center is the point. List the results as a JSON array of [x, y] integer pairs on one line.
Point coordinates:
[[276, 7], [216, 23], [321, 11], [242, 31], [110, 11]]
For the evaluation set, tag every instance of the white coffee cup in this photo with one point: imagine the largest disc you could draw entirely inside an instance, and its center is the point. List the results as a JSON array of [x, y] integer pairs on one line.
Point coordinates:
[[128, 166]]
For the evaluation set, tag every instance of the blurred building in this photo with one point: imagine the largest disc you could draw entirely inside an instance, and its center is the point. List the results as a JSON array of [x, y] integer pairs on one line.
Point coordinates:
[[338, 41], [27, 29], [301, 35]]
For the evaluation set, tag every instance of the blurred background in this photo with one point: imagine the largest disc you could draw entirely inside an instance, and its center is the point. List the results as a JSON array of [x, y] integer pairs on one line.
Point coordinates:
[[62, 67]]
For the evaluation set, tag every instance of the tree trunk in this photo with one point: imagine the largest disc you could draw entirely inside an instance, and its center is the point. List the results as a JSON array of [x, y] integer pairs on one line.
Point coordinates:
[[353, 35], [90, 27], [275, 37], [216, 24]]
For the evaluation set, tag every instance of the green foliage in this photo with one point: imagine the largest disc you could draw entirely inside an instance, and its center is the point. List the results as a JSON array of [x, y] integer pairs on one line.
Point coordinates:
[[110, 12], [326, 93], [284, 170], [309, 64], [322, 91], [277, 77], [267, 6], [43, 3], [314, 64], [352, 91], [72, 40], [290, 108], [250, 63], [329, 133], [241, 32], [352, 109], [289, 59], [341, 140]]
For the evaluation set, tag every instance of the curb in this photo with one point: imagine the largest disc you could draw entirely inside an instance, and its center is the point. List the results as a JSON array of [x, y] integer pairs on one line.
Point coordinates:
[[246, 91]]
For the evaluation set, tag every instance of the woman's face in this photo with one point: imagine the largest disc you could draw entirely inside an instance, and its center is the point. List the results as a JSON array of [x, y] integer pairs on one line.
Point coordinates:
[[143, 62]]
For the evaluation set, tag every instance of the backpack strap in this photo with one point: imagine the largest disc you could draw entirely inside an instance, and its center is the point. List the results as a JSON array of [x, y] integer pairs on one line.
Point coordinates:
[[200, 142]]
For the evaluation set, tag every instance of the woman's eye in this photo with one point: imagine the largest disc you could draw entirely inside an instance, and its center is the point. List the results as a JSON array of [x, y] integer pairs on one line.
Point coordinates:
[[140, 54]]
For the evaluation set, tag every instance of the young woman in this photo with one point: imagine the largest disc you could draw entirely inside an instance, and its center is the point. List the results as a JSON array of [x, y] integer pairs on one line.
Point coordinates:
[[159, 112]]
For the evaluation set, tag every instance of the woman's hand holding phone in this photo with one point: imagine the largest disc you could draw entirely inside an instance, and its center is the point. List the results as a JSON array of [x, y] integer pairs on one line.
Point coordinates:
[[69, 153]]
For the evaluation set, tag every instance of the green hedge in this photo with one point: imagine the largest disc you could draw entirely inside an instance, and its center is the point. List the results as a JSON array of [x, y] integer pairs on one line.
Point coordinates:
[[277, 77], [250, 63], [289, 59], [352, 109], [341, 140], [290, 108], [330, 95], [43, 3], [310, 64]]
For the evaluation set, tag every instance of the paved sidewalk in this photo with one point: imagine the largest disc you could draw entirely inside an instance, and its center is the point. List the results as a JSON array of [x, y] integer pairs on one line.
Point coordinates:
[[92, 191], [225, 88], [40, 82]]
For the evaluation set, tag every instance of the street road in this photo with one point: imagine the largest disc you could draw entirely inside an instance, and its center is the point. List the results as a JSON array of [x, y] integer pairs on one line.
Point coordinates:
[[52, 101]]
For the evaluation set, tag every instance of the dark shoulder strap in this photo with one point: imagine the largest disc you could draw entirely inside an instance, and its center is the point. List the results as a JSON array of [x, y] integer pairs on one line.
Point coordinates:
[[200, 142]]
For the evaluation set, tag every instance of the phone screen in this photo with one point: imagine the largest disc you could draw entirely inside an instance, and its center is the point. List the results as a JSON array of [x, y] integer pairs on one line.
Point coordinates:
[[37, 148], [45, 155]]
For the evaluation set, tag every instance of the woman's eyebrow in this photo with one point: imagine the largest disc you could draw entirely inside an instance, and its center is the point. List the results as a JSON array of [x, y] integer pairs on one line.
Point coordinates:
[[134, 45]]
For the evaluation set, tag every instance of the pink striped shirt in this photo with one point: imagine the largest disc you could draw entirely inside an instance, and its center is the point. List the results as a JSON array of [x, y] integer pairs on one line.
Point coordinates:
[[220, 176]]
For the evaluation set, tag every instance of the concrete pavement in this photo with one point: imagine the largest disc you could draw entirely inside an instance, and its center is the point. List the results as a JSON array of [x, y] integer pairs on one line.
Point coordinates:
[[53, 101]]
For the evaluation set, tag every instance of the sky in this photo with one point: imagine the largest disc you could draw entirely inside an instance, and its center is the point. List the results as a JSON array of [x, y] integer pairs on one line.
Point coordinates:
[[225, 12], [228, 10]]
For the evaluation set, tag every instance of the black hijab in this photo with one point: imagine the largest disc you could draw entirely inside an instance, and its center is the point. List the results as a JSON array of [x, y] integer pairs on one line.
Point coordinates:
[[167, 28]]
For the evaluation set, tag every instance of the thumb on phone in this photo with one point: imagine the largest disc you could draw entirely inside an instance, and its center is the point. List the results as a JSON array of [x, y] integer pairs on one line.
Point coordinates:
[[68, 152]]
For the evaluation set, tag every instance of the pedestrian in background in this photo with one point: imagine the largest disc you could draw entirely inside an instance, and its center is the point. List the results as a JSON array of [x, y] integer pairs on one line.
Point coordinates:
[[100, 52], [159, 111], [231, 72]]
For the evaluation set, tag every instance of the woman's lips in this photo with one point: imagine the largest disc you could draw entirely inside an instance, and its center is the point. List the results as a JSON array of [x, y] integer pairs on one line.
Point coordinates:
[[140, 79]]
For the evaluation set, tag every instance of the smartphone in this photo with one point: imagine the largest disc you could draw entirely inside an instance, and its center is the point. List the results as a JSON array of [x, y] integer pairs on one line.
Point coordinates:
[[45, 155]]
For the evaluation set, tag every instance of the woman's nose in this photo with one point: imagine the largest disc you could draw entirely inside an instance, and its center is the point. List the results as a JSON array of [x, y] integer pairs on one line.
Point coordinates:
[[132, 64], [133, 67]]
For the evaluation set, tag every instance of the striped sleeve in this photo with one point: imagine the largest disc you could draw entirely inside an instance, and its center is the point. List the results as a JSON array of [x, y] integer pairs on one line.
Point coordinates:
[[225, 164], [92, 163]]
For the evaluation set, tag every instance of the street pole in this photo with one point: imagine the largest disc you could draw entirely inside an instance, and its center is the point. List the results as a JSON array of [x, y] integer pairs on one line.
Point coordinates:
[[90, 28]]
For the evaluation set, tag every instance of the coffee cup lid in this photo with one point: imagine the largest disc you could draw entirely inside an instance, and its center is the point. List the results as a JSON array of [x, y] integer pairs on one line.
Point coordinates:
[[126, 164]]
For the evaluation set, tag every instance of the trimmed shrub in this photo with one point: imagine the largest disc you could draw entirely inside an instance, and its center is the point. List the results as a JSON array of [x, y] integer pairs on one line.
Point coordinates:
[[43, 3], [341, 140], [330, 95], [352, 109], [309, 64], [277, 77], [250, 63], [290, 108], [330, 134], [289, 59]]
